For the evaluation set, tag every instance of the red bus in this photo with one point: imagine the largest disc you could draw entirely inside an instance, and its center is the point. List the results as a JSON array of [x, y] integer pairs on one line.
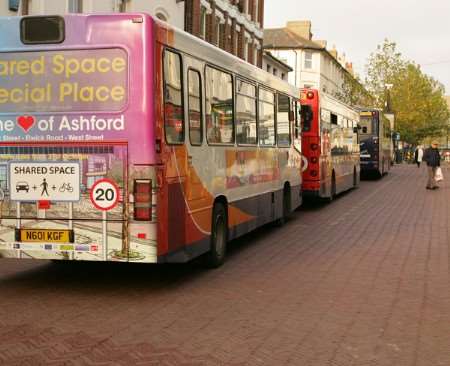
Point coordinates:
[[329, 145]]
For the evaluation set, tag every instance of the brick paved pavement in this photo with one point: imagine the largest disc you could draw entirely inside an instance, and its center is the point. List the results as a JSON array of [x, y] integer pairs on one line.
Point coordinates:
[[362, 281]]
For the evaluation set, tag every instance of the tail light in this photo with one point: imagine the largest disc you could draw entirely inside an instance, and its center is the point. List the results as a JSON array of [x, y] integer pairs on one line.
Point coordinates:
[[314, 160], [314, 147], [158, 146], [143, 199], [313, 173]]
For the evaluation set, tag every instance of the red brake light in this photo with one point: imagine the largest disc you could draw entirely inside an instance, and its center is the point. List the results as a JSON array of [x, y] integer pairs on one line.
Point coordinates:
[[143, 199], [314, 147], [310, 95]]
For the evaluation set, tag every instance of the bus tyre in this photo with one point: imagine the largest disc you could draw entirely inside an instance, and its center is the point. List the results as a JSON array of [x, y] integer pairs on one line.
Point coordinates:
[[333, 188], [355, 178], [219, 236], [286, 207]]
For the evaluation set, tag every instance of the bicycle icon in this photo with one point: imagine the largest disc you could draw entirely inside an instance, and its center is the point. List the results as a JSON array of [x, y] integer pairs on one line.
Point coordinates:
[[66, 187]]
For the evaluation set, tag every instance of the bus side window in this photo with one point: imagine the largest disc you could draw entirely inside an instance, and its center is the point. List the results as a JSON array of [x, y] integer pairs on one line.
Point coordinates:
[[195, 108], [283, 123], [266, 114], [246, 126], [296, 119], [219, 107], [173, 98], [334, 119]]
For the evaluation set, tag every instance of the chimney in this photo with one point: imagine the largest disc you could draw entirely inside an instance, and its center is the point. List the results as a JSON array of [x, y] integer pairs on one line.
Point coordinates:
[[321, 43], [349, 67], [301, 28], [334, 52]]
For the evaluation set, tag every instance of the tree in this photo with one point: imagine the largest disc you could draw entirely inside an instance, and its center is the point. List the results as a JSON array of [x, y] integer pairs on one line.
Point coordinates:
[[353, 92], [382, 69], [419, 104], [417, 99]]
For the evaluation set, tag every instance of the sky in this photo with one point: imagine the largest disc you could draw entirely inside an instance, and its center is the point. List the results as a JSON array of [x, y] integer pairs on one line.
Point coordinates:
[[421, 29]]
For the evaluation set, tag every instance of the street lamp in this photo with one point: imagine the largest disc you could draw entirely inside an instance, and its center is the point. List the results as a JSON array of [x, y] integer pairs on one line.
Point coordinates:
[[389, 113]]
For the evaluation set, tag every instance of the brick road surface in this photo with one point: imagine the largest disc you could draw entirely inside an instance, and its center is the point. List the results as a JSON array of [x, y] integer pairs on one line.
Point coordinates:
[[361, 281]]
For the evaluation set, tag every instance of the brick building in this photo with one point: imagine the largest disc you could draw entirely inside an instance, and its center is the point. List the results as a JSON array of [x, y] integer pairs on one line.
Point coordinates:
[[171, 11], [236, 26], [233, 25]]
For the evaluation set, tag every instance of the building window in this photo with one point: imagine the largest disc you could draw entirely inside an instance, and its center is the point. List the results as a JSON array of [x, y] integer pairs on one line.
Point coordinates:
[[275, 72], [218, 34], [13, 5], [219, 106], [195, 108], [245, 55], [75, 6], [202, 23], [173, 98], [266, 118], [283, 76], [308, 60], [268, 68], [246, 127]]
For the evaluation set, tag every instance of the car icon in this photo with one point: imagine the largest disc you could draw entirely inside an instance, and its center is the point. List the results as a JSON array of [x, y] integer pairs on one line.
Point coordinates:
[[22, 186]]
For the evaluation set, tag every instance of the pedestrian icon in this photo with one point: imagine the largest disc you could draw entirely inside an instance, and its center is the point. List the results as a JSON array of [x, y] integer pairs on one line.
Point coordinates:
[[44, 186]]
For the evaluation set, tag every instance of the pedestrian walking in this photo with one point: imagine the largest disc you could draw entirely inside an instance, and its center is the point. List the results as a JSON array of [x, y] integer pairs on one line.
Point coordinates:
[[418, 155], [433, 159]]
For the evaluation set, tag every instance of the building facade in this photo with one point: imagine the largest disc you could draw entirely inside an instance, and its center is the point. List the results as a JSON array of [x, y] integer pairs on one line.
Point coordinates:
[[171, 11], [235, 26], [313, 65], [275, 66]]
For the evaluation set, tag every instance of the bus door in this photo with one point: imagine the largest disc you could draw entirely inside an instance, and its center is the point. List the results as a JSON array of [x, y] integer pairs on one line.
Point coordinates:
[[197, 197]]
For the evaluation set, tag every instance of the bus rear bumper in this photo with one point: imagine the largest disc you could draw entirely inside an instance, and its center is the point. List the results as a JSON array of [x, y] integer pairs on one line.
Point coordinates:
[[311, 194], [368, 166]]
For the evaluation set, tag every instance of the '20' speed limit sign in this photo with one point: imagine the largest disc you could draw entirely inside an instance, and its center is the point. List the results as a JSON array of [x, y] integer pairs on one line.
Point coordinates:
[[105, 194]]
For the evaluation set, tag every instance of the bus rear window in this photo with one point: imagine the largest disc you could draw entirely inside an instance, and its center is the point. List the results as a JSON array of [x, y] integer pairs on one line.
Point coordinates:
[[42, 30], [368, 126]]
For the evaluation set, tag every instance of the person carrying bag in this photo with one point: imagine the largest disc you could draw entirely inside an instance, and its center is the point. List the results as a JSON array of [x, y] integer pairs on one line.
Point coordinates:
[[433, 159]]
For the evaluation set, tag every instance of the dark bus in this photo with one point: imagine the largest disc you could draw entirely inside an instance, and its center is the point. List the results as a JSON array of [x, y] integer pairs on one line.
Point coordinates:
[[375, 142]]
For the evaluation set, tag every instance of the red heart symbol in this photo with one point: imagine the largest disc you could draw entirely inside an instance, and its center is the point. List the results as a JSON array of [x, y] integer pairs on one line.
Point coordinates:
[[26, 122]]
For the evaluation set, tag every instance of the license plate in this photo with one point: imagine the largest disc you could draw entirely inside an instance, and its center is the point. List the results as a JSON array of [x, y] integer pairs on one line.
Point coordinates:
[[45, 235]]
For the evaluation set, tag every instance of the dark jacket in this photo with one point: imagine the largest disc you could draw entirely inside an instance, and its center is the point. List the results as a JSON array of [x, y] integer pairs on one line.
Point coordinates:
[[432, 157]]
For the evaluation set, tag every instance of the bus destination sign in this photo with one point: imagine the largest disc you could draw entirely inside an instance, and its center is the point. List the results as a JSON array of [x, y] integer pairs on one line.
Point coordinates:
[[52, 181]]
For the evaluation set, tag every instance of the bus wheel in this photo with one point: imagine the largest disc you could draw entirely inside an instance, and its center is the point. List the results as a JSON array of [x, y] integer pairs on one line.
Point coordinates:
[[286, 207], [219, 236], [333, 188], [355, 178]]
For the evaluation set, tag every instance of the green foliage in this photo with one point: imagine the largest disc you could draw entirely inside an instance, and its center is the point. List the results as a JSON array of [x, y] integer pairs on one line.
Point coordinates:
[[417, 99], [353, 92], [382, 69]]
